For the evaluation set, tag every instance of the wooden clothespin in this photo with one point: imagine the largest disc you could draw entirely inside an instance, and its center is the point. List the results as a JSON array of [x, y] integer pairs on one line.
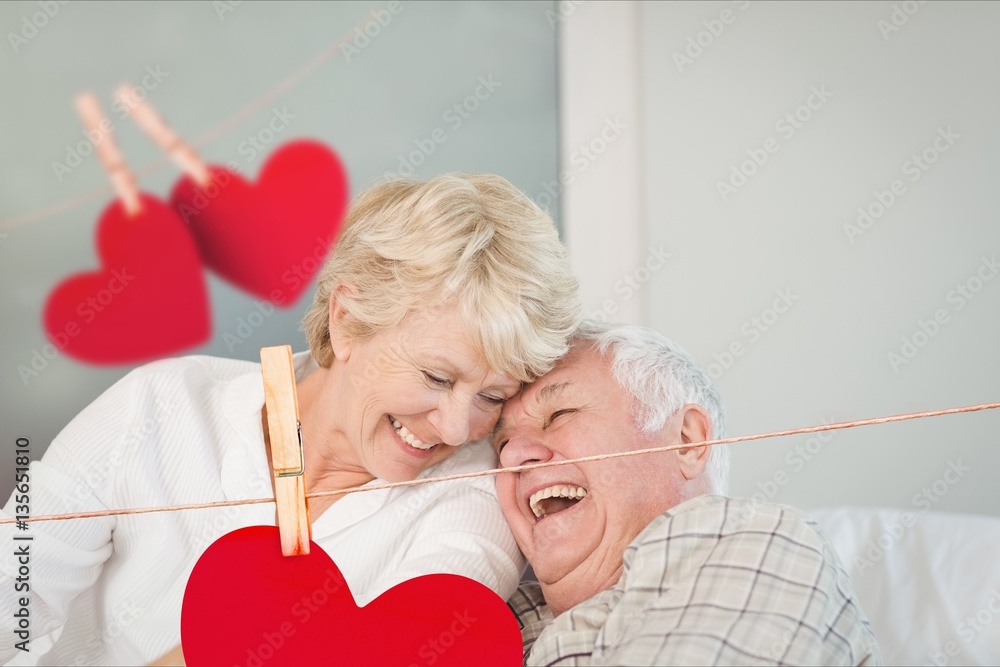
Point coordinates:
[[99, 128], [287, 459], [181, 152]]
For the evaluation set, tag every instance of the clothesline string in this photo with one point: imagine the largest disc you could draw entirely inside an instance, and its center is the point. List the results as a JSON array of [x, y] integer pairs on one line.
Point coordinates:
[[522, 468]]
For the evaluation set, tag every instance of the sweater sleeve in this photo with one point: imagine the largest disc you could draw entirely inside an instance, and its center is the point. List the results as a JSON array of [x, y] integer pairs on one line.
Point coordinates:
[[49, 563]]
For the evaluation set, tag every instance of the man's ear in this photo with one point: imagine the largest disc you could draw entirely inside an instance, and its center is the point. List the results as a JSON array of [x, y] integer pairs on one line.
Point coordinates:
[[340, 342], [696, 426]]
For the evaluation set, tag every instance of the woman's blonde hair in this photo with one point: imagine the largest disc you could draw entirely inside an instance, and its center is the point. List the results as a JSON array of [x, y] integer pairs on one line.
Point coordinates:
[[468, 240]]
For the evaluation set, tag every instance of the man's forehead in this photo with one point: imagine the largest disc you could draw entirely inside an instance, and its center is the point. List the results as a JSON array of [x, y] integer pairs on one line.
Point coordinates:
[[570, 373]]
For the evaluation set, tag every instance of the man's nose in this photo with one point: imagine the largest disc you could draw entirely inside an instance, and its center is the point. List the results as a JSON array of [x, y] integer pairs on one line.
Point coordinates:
[[452, 419], [523, 448]]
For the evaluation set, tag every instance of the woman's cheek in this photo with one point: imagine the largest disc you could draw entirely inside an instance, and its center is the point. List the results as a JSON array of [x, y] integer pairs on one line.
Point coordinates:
[[483, 425]]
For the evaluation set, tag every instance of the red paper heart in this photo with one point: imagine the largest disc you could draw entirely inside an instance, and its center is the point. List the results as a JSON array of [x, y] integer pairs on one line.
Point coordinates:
[[149, 300], [268, 238], [246, 604]]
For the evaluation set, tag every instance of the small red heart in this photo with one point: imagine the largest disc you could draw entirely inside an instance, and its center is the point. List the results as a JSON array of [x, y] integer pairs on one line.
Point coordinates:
[[268, 238], [246, 604], [149, 300]]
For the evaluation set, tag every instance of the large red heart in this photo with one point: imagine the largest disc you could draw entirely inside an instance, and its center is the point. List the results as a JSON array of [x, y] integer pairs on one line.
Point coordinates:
[[271, 237], [148, 300], [246, 604]]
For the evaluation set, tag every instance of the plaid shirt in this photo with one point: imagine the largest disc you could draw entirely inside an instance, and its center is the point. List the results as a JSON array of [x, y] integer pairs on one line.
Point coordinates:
[[713, 580]]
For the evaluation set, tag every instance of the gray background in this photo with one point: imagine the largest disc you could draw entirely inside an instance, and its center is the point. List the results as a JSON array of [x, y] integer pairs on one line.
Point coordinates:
[[826, 359], [370, 110]]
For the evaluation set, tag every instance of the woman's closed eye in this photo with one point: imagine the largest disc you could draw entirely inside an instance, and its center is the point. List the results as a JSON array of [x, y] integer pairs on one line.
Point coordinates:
[[436, 380], [494, 401]]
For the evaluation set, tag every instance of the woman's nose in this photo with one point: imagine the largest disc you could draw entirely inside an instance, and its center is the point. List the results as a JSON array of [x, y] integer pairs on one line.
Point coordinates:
[[452, 419]]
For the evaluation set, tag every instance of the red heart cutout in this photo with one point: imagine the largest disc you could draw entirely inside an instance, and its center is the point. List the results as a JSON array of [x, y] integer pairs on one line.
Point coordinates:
[[149, 300], [246, 604], [268, 238]]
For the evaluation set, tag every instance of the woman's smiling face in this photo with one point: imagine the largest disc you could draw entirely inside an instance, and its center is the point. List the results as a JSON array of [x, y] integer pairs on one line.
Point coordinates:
[[412, 395]]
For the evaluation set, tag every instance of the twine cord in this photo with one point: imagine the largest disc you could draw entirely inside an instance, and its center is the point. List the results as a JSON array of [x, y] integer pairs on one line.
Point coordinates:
[[522, 468]]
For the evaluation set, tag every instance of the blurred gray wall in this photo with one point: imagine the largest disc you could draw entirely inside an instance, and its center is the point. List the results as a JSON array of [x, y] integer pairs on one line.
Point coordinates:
[[755, 131], [371, 103]]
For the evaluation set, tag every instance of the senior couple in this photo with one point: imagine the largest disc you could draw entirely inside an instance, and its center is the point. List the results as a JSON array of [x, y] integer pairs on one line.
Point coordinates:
[[444, 335]]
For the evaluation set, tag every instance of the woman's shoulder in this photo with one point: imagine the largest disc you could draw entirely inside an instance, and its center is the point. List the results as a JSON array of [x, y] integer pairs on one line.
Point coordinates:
[[473, 456], [155, 391], [192, 368]]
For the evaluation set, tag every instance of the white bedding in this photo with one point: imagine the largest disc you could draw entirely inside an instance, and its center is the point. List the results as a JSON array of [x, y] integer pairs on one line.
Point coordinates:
[[929, 581]]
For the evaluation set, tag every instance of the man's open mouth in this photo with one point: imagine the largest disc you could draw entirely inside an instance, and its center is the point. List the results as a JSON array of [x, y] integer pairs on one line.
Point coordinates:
[[555, 498]]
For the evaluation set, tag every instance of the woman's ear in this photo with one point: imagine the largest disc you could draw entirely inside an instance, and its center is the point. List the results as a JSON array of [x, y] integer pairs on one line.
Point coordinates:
[[340, 342], [696, 426]]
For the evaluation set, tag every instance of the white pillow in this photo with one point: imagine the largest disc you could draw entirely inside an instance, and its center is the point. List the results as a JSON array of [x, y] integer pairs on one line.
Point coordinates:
[[928, 581]]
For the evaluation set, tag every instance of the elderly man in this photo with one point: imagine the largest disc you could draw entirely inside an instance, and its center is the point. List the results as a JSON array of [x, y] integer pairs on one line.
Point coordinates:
[[637, 562]]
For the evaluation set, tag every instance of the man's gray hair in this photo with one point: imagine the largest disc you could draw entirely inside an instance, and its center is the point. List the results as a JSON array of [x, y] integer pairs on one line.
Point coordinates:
[[661, 378]]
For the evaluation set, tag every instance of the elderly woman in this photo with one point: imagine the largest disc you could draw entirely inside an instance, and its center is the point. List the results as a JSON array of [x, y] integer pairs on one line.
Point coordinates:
[[440, 299]]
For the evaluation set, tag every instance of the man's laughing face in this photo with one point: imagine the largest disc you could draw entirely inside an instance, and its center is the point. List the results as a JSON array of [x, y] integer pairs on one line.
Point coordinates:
[[573, 522]]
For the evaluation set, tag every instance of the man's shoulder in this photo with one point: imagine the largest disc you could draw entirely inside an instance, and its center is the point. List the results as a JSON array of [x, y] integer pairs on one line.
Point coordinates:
[[716, 517], [722, 532], [745, 574]]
